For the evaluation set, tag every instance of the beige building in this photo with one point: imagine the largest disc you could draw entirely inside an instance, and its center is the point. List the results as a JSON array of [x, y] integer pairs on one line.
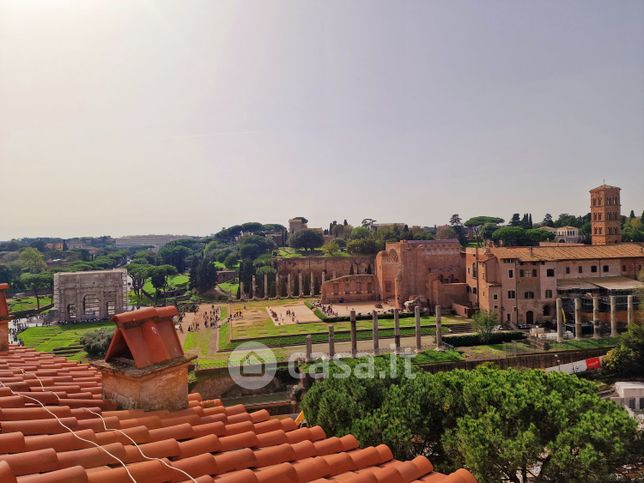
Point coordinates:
[[520, 284]]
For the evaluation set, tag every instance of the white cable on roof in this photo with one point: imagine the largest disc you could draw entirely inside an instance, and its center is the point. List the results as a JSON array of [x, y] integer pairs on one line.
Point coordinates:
[[72, 431], [150, 458]]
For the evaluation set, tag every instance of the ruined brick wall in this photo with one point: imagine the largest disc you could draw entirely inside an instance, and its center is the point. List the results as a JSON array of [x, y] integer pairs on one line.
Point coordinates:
[[406, 269], [322, 268], [350, 288]]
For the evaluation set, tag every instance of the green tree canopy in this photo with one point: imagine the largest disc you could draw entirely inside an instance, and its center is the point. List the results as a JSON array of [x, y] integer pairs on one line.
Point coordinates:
[[253, 246], [37, 282], [32, 260], [483, 220], [138, 273], [362, 246], [307, 239], [501, 424]]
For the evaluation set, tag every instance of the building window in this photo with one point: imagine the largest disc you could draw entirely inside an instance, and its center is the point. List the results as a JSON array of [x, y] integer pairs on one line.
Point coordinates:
[[495, 296], [548, 294], [521, 273], [605, 268], [534, 272], [528, 295], [473, 289], [580, 269], [593, 268], [550, 272], [496, 307], [567, 269], [511, 294], [510, 273]]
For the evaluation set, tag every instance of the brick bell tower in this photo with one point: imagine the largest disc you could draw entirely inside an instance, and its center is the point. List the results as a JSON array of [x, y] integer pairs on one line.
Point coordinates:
[[605, 215]]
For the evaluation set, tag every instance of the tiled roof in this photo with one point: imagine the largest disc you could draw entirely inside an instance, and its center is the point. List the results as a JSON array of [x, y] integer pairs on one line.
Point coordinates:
[[605, 186], [206, 442], [573, 252]]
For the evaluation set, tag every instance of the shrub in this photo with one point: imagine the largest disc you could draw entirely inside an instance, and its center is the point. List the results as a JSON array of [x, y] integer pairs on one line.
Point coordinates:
[[96, 342], [475, 339]]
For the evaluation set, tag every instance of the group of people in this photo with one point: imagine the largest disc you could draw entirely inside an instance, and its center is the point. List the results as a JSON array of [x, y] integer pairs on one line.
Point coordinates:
[[327, 309], [280, 318], [209, 318]]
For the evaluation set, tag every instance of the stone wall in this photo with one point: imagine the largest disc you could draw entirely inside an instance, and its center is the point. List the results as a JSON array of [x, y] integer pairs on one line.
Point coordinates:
[[350, 288], [90, 295], [408, 269], [318, 269]]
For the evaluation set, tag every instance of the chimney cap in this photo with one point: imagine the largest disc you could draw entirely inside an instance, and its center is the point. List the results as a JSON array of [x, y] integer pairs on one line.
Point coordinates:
[[146, 336]]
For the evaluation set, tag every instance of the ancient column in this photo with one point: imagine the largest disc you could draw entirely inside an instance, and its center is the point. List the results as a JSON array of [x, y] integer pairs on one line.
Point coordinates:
[[309, 348], [331, 341], [277, 286], [419, 344], [354, 338], [596, 325], [397, 330], [629, 308], [266, 285], [289, 292], [376, 339], [613, 316], [560, 325], [300, 292], [253, 287], [323, 279], [312, 287], [577, 318], [241, 290], [439, 333], [334, 274]]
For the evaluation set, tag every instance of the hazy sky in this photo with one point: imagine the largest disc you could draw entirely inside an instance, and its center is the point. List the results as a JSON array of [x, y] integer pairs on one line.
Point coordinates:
[[150, 116]]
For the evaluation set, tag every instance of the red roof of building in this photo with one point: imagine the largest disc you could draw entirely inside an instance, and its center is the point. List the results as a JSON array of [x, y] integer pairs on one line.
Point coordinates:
[[55, 427]]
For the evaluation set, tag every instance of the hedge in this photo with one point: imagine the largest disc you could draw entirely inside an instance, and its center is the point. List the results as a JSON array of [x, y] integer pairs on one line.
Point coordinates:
[[468, 340]]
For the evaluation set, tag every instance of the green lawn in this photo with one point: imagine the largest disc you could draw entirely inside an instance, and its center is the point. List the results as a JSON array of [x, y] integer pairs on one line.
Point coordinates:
[[48, 338], [28, 303], [198, 342], [585, 344], [230, 287], [267, 328], [433, 357], [176, 281]]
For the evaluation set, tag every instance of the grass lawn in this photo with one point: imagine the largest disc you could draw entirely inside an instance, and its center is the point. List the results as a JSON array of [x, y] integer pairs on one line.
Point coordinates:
[[266, 327], [27, 303], [51, 337], [490, 351], [229, 287], [176, 281], [198, 342], [585, 344], [432, 357]]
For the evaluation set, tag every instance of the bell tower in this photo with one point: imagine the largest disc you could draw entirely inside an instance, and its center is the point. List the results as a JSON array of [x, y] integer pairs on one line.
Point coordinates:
[[605, 215]]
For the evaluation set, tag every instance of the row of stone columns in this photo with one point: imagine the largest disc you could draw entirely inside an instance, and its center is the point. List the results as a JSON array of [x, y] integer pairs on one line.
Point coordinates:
[[376, 336], [254, 292], [596, 325]]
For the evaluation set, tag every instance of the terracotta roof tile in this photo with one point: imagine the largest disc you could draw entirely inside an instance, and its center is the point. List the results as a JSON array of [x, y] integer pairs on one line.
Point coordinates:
[[205, 442]]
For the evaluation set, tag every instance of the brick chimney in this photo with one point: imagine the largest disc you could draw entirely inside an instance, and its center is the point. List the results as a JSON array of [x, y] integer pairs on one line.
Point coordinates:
[[145, 367], [4, 319]]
